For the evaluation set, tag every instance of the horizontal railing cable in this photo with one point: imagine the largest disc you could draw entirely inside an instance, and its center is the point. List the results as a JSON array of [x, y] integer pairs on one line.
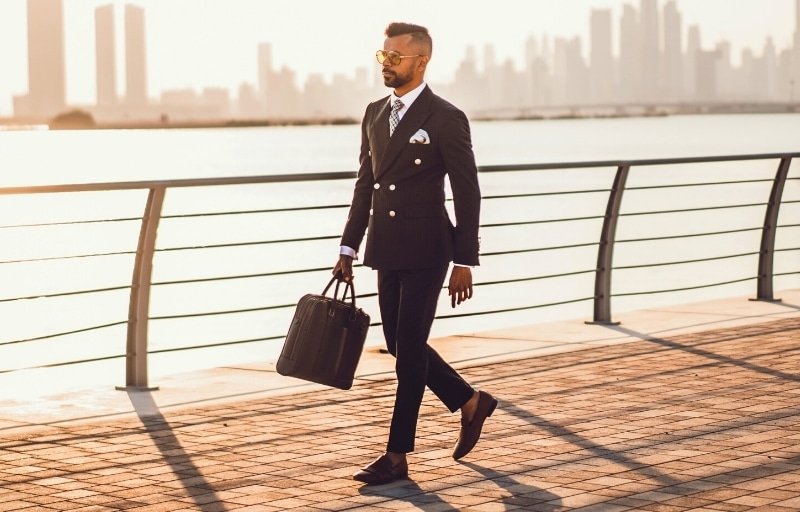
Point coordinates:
[[699, 184], [64, 363], [66, 294], [534, 278], [543, 194], [70, 223], [70, 257], [539, 249], [690, 235], [687, 210], [687, 288], [215, 345], [253, 212], [225, 312], [543, 221], [684, 262], [246, 244], [243, 276], [64, 333]]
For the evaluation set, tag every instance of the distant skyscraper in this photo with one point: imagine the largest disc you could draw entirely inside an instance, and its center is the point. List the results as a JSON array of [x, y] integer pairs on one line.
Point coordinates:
[[265, 67], [706, 75], [601, 62], [771, 71], [673, 52], [46, 68], [135, 56], [693, 49], [795, 79], [106, 59], [248, 104], [727, 86], [651, 61], [266, 75], [630, 60], [493, 94]]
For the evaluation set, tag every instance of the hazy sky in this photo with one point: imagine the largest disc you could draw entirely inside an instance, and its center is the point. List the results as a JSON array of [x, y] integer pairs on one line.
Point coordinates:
[[195, 43]]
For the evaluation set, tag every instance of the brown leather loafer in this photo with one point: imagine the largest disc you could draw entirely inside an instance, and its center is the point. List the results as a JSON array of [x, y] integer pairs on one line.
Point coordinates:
[[471, 431], [382, 471]]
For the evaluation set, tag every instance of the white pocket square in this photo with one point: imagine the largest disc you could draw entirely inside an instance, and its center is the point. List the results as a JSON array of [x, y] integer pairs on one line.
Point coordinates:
[[421, 137]]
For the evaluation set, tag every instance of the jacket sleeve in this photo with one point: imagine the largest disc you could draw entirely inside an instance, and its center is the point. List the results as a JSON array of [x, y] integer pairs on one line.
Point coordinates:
[[459, 161], [358, 218]]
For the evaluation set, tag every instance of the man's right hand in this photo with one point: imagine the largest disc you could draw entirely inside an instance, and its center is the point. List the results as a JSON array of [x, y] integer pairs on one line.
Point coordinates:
[[345, 267]]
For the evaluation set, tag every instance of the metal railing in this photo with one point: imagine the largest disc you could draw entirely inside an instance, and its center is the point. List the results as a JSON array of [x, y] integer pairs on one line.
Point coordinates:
[[140, 289]]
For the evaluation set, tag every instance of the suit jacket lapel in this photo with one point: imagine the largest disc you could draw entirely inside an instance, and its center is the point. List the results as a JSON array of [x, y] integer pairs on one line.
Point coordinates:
[[379, 135], [417, 114]]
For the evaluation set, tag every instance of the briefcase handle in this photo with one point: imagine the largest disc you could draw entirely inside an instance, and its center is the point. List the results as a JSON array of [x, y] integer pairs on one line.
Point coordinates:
[[348, 286]]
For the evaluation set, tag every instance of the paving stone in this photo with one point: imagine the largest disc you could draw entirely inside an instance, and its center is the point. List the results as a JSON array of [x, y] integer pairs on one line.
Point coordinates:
[[703, 421]]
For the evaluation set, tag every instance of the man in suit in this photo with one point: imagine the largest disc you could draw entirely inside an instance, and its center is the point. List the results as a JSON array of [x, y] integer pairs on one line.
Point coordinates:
[[409, 141]]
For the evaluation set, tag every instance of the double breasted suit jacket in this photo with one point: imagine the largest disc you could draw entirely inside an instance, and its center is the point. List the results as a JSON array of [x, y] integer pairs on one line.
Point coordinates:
[[399, 197]]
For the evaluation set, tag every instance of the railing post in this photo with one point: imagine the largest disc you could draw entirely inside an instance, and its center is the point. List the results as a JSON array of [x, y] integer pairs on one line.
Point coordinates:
[[605, 251], [139, 306], [766, 255]]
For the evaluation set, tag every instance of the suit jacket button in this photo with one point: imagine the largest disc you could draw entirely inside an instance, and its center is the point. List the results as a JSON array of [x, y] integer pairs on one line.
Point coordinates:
[[417, 161], [392, 187], [391, 213], [376, 186]]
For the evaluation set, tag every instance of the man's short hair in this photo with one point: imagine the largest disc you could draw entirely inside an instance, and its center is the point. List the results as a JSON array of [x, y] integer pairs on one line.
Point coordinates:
[[419, 35]]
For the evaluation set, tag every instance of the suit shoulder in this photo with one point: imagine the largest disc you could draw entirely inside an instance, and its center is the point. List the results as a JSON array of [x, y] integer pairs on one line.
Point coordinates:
[[380, 101], [443, 104], [445, 107]]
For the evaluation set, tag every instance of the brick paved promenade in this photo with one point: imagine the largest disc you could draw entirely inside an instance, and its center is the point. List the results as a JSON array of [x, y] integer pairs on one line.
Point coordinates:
[[705, 421]]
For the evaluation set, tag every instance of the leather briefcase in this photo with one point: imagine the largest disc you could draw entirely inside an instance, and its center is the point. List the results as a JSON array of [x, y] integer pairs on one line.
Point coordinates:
[[325, 339]]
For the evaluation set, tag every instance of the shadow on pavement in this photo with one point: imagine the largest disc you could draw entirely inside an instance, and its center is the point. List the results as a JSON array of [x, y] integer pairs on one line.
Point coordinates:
[[521, 496], [741, 363], [158, 428], [410, 492], [597, 450]]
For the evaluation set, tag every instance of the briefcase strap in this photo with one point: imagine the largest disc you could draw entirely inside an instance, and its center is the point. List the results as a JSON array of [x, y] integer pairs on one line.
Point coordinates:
[[348, 286]]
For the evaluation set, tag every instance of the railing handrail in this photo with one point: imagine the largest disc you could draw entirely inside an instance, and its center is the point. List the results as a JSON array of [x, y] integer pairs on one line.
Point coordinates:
[[342, 175]]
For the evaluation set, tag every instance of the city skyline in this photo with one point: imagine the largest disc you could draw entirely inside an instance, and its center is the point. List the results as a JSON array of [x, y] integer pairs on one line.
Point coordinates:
[[606, 38]]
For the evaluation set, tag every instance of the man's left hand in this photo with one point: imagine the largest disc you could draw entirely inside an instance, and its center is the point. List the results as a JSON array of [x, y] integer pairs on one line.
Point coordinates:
[[460, 286]]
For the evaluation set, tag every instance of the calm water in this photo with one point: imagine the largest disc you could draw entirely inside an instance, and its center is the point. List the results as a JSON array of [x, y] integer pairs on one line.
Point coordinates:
[[31, 158]]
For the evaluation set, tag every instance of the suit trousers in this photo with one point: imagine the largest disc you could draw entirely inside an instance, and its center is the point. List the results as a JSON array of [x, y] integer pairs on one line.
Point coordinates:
[[408, 300]]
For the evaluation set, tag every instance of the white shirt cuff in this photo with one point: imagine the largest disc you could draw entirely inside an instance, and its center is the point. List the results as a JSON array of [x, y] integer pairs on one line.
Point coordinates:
[[348, 251]]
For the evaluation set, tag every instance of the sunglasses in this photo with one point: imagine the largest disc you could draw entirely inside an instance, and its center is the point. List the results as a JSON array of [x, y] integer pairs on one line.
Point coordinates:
[[392, 56]]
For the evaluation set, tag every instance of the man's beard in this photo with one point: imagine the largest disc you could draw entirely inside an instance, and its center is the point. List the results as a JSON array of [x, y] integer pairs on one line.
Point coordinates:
[[395, 80]]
